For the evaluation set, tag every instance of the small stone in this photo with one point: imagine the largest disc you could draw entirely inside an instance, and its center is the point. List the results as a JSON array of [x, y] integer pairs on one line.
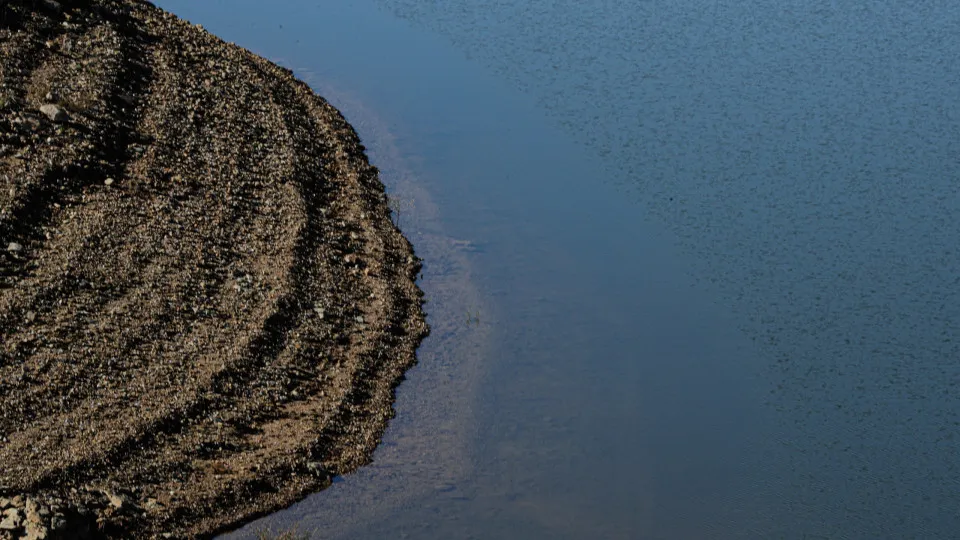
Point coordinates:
[[316, 468], [35, 511], [108, 182], [359, 319], [319, 311], [11, 520], [36, 531], [58, 523], [116, 500], [54, 113], [4, 502], [14, 247]]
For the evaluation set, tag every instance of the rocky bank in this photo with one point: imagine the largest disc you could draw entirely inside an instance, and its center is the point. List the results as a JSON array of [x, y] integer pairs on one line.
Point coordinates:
[[204, 304]]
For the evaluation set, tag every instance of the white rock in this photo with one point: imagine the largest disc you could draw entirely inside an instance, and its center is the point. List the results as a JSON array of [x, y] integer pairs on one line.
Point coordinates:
[[11, 520]]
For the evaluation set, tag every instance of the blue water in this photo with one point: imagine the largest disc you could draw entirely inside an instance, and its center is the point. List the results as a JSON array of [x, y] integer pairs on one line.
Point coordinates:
[[709, 250]]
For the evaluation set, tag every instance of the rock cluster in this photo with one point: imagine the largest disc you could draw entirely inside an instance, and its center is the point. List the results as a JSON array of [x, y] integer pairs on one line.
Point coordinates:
[[33, 519]]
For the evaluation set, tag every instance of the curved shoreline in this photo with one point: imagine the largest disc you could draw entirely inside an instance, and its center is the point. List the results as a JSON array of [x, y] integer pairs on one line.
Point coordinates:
[[451, 362], [195, 332]]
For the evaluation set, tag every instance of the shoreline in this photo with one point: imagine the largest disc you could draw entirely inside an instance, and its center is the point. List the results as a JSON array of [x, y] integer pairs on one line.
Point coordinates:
[[199, 332], [450, 363]]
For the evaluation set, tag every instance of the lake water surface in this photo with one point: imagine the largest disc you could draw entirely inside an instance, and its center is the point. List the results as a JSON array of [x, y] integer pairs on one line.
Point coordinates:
[[692, 265]]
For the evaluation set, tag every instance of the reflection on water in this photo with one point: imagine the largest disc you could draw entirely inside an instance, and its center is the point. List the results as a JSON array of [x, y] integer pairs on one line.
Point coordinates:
[[788, 371]]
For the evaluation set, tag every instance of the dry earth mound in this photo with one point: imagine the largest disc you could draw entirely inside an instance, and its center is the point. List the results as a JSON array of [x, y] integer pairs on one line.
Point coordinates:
[[204, 305]]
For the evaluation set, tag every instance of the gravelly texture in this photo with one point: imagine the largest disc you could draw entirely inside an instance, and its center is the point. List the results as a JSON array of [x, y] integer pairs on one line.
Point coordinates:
[[204, 305]]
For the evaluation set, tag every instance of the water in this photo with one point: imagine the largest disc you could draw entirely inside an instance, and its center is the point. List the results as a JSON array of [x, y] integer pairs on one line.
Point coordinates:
[[708, 250]]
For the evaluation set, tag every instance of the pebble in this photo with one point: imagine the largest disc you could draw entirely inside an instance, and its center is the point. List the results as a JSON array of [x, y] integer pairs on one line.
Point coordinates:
[[35, 511], [36, 531], [11, 520], [14, 247], [116, 500], [54, 113], [317, 469], [58, 523], [108, 182]]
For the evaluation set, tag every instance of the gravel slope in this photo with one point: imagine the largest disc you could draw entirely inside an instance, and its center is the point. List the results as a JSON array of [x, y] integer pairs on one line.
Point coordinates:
[[204, 305]]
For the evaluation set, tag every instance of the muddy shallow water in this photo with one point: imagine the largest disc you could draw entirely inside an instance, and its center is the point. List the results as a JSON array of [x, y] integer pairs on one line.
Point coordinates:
[[620, 346]]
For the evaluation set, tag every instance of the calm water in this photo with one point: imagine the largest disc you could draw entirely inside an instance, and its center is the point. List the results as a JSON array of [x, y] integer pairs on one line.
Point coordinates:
[[709, 250]]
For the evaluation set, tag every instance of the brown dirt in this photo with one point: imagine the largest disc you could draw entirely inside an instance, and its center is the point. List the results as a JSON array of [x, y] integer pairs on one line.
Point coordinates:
[[204, 305]]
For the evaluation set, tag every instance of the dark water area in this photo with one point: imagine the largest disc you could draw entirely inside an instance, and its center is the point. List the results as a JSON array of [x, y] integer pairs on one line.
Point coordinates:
[[692, 266]]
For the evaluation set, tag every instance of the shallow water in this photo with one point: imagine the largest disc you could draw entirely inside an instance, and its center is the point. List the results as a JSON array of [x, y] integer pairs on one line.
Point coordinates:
[[692, 266]]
